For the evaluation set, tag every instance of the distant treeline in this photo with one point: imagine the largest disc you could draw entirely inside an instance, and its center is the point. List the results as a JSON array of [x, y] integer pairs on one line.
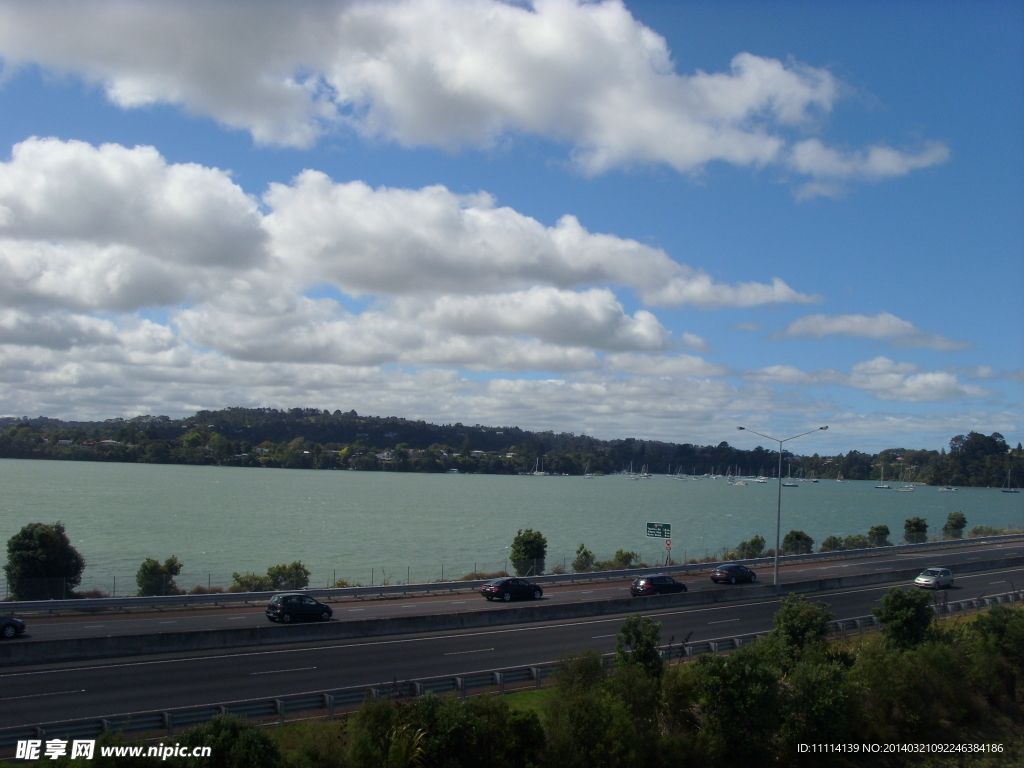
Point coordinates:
[[308, 438]]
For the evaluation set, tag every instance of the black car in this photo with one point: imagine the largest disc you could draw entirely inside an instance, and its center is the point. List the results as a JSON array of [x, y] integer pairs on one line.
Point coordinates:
[[732, 572], [655, 585], [11, 627], [287, 608], [511, 589]]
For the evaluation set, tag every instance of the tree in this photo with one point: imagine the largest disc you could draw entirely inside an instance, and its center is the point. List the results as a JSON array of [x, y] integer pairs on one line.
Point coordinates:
[[915, 530], [529, 548], [878, 536], [250, 582], [954, 527], [294, 576], [156, 579], [584, 559], [797, 543], [801, 624], [42, 564], [905, 617], [637, 644], [624, 559], [749, 550], [831, 544]]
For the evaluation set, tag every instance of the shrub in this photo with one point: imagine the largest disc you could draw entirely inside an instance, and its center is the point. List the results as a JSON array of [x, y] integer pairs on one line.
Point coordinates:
[[915, 530], [584, 560], [749, 550], [797, 543], [154, 578], [954, 527], [856, 541], [831, 544], [42, 564], [800, 624], [637, 644], [878, 536], [250, 582], [905, 616], [290, 576], [529, 548]]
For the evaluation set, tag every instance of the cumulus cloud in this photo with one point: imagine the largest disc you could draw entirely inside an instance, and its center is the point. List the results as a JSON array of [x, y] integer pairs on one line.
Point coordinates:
[[882, 327], [812, 158], [403, 241], [881, 378], [446, 74]]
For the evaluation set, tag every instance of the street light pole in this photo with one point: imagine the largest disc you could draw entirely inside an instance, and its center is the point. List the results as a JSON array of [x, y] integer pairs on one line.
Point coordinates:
[[778, 506]]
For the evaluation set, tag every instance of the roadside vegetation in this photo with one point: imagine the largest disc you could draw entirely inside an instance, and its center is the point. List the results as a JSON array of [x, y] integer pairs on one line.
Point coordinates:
[[308, 438], [958, 682]]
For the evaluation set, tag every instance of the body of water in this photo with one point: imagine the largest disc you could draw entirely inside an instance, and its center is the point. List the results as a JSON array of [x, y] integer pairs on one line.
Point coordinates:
[[376, 525]]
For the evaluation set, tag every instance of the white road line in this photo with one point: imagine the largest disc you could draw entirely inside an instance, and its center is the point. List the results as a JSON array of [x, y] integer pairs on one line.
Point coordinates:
[[463, 653], [587, 591], [601, 637], [94, 626], [235, 618], [37, 695], [459, 602], [276, 671], [408, 605], [723, 621], [168, 622], [350, 610]]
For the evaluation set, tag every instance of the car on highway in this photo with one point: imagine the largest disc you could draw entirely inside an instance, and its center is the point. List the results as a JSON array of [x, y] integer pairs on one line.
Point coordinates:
[[289, 607], [511, 589], [655, 585], [732, 573], [935, 578], [11, 627]]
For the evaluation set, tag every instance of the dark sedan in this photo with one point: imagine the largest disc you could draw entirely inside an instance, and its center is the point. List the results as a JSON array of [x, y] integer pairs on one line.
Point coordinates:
[[655, 585], [11, 627], [732, 573], [291, 607], [511, 589]]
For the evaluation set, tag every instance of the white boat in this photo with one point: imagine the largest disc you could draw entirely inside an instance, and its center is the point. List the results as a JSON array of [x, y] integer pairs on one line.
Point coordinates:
[[587, 474], [947, 489], [906, 487], [453, 471], [538, 468], [1009, 488], [789, 480], [883, 485]]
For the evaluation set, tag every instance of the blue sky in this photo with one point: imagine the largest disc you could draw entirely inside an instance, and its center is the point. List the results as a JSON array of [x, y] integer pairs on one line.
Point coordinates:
[[658, 220]]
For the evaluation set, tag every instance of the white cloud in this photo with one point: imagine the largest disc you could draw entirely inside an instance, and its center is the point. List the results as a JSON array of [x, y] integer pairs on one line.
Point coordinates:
[[664, 365], [402, 241], [881, 378], [882, 327], [446, 74]]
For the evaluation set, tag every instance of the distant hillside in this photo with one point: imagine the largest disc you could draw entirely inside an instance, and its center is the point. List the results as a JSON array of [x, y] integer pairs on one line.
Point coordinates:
[[308, 438]]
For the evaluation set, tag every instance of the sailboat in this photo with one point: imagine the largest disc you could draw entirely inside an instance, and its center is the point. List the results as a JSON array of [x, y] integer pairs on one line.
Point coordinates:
[[538, 468], [882, 485], [1009, 488], [789, 482], [906, 487], [631, 475], [587, 474]]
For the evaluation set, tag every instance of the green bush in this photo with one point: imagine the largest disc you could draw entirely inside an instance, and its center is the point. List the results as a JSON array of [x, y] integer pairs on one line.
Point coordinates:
[[954, 527], [42, 564], [154, 578], [750, 550], [797, 543], [905, 615], [915, 530], [529, 549], [878, 536], [584, 560], [831, 544]]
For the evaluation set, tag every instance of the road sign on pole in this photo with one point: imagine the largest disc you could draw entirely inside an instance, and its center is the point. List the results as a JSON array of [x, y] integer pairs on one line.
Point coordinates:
[[659, 530], [668, 545]]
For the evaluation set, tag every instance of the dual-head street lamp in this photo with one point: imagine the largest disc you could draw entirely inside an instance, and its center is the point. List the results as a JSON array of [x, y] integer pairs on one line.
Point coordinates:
[[778, 509]]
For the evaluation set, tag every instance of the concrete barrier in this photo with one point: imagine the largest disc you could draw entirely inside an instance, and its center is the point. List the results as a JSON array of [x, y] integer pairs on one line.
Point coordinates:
[[47, 651]]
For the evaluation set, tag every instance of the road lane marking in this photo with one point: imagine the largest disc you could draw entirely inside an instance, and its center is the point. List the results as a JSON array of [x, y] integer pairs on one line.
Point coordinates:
[[235, 618], [37, 695], [463, 653], [459, 602], [277, 671], [350, 610], [94, 626], [723, 621], [168, 622], [601, 637]]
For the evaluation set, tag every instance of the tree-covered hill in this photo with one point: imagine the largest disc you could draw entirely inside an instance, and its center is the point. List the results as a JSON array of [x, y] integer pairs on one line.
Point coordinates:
[[308, 438]]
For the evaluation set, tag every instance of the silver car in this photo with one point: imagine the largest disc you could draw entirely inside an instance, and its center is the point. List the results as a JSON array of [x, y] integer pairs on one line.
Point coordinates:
[[935, 578]]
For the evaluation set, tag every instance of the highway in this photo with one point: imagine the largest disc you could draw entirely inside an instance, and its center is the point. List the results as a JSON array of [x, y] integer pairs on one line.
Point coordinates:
[[238, 615], [32, 695]]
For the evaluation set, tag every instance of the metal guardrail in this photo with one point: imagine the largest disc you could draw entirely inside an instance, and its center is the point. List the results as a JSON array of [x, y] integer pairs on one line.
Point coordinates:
[[339, 593], [500, 681]]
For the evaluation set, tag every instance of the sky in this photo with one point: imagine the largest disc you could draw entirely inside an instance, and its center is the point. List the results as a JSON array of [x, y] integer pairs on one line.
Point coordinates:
[[644, 219]]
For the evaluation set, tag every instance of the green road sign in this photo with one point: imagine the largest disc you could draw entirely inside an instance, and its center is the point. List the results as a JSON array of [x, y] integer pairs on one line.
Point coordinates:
[[659, 530]]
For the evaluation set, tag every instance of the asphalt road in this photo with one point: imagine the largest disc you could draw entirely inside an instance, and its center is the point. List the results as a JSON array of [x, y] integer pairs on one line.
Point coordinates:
[[104, 688], [235, 616]]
